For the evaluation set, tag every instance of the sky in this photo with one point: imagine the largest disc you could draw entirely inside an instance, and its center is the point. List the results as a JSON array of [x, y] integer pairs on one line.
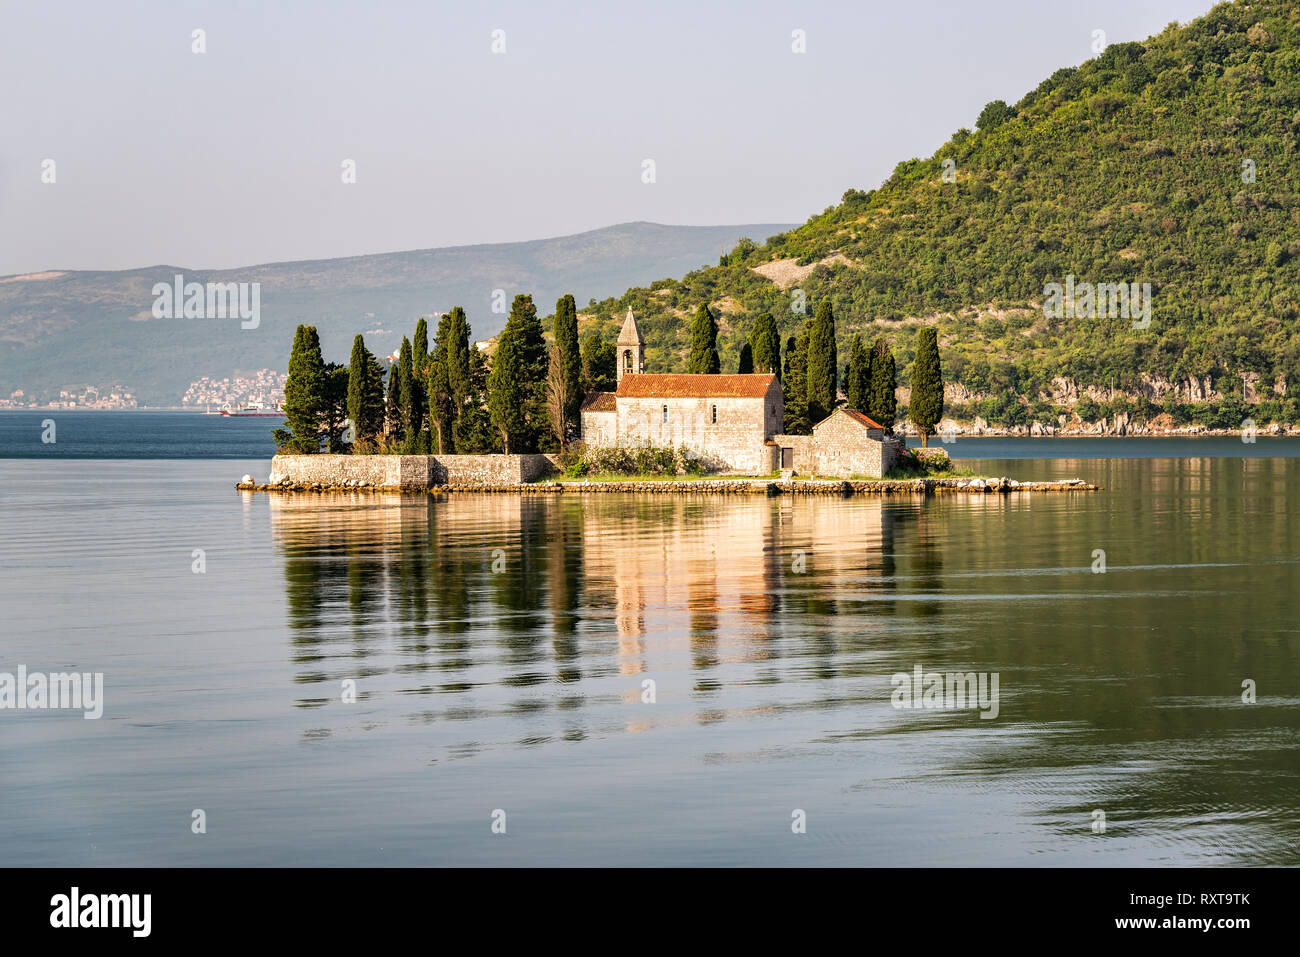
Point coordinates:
[[236, 155]]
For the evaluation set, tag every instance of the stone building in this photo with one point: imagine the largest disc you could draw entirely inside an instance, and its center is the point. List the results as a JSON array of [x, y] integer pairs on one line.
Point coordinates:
[[845, 444], [733, 422]]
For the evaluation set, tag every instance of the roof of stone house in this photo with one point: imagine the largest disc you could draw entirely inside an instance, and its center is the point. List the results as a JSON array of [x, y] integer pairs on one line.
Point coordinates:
[[856, 416], [599, 402], [683, 386], [630, 335]]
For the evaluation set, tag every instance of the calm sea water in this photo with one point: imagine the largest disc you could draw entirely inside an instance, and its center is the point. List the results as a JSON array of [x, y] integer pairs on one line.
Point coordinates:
[[500, 647]]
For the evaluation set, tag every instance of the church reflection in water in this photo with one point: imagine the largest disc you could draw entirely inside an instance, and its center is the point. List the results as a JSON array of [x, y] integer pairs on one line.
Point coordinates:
[[517, 590]]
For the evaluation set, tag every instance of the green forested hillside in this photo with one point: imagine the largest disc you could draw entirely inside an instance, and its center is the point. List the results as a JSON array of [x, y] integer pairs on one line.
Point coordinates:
[[1171, 161]]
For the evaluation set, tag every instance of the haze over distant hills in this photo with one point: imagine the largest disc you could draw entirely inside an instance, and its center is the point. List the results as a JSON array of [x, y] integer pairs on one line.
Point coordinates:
[[62, 329]]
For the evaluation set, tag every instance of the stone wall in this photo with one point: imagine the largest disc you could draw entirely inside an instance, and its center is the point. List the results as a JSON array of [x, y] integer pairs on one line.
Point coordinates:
[[408, 471]]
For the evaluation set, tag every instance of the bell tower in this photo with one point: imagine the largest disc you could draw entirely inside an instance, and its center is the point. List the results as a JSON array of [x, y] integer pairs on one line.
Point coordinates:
[[630, 348]]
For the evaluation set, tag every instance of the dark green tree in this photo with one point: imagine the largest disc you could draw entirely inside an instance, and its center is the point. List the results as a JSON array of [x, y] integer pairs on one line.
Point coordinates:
[[305, 395], [599, 363], [409, 403], [746, 365], [334, 419], [703, 358], [765, 344], [517, 384], [795, 384], [365, 396], [475, 434], [857, 385], [508, 394], [882, 404], [925, 408], [822, 364], [566, 340], [394, 412]]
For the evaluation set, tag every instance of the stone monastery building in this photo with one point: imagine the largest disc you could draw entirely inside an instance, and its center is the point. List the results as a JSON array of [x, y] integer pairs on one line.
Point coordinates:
[[734, 422]]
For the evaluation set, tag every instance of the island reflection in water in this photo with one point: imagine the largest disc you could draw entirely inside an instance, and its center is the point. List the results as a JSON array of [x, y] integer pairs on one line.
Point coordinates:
[[503, 625]]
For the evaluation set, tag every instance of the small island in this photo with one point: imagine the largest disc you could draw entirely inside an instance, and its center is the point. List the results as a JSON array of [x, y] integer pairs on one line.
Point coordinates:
[[563, 416]]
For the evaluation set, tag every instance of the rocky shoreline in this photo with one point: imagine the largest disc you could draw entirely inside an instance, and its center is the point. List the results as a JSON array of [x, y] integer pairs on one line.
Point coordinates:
[[721, 486]]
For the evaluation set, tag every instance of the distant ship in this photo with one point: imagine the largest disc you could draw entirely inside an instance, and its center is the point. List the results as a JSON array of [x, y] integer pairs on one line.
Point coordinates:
[[255, 410]]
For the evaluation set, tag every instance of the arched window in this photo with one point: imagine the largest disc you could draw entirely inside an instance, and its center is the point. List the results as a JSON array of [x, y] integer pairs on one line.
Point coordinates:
[[665, 413], [627, 360], [715, 415]]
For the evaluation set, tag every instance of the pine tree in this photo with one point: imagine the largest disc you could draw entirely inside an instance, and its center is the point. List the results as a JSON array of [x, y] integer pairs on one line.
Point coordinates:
[[765, 345], [925, 408], [822, 364], [883, 401], [857, 385], [796, 385], [566, 339], [746, 365], [704, 343], [304, 395]]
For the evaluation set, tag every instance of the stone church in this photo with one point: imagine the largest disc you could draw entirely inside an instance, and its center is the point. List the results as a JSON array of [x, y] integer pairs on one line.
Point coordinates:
[[733, 422]]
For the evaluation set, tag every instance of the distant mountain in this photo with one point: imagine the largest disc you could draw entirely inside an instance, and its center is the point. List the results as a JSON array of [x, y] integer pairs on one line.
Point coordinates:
[[1173, 162], [61, 329]]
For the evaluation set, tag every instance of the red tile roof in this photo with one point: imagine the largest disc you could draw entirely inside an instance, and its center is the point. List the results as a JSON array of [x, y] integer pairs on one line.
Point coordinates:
[[674, 386], [599, 402], [857, 417]]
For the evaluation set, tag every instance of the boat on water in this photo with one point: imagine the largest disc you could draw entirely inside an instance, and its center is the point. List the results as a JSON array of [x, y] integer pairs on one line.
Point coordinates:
[[255, 410]]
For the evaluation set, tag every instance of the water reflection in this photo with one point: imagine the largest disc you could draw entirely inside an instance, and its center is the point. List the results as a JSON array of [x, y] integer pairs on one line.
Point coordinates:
[[501, 622]]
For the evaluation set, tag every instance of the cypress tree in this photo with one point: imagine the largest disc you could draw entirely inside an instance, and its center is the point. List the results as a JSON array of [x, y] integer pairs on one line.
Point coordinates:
[[599, 363], [883, 402], [566, 340], [518, 379], [474, 431], [420, 385], [925, 408], [446, 381], [420, 348], [304, 395], [507, 395], [765, 345], [365, 395], [746, 360], [858, 381], [822, 364], [796, 386], [395, 415], [335, 415], [409, 396], [704, 343]]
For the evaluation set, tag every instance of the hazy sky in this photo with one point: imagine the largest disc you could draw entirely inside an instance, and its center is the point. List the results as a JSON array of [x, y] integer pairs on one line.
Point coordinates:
[[234, 156]]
